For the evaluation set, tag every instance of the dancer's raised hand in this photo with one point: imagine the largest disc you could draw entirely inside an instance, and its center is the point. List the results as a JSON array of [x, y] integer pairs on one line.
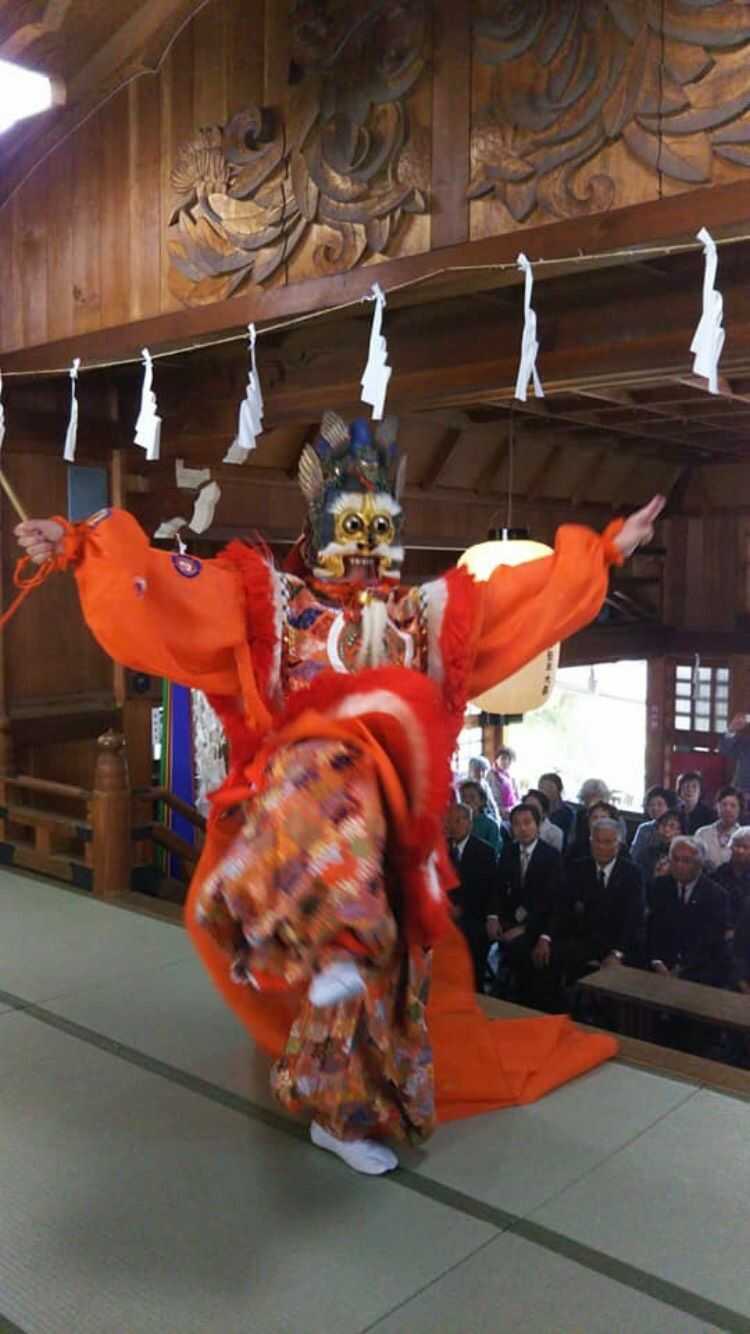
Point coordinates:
[[39, 538], [639, 528]]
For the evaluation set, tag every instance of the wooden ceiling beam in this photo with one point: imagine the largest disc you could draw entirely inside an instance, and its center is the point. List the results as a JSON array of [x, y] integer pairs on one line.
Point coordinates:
[[724, 210], [586, 479], [136, 47], [541, 473], [446, 452], [488, 476]]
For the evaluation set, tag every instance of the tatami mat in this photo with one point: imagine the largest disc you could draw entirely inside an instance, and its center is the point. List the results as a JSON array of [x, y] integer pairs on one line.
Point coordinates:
[[143, 1188]]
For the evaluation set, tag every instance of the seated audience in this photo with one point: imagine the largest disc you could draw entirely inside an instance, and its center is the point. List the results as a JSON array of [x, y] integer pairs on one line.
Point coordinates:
[[479, 768], [735, 745], [734, 875], [529, 885], [652, 857], [690, 792], [688, 919], [655, 803], [474, 898], [593, 791], [741, 948], [602, 810], [548, 832], [560, 812], [599, 919], [715, 838], [501, 782], [475, 796]]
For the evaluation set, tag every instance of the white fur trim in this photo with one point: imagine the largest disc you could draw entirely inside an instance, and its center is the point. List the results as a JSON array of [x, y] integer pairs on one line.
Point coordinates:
[[280, 600], [432, 878], [337, 626], [435, 601], [374, 625], [386, 701], [351, 500]]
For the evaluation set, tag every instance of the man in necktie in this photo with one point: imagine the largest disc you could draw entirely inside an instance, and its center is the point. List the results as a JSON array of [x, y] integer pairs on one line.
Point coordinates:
[[689, 923], [529, 879], [476, 869], [598, 921]]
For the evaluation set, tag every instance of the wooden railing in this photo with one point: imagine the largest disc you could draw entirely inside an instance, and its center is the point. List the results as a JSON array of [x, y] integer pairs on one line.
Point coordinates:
[[101, 838], [155, 830], [87, 842]]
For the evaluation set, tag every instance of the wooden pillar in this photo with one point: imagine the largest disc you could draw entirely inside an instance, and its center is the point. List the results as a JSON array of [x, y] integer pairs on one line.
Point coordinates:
[[657, 730], [7, 755], [111, 818]]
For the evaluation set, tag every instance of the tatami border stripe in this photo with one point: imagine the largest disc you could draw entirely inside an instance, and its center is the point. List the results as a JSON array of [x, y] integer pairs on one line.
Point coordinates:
[[599, 1262], [7, 1326]]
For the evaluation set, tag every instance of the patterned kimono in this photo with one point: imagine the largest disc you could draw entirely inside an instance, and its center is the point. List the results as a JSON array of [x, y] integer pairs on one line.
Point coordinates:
[[343, 775]]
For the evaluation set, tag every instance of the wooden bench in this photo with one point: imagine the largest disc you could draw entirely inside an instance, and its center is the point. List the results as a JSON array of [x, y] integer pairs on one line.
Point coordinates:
[[639, 997]]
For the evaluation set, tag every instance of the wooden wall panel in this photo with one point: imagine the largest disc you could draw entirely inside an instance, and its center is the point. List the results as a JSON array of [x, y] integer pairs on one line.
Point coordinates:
[[703, 580], [492, 133], [85, 221], [58, 175], [50, 656], [145, 234]]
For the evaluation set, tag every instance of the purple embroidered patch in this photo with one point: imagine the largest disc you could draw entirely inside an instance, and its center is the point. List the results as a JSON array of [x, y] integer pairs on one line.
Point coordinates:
[[187, 566]]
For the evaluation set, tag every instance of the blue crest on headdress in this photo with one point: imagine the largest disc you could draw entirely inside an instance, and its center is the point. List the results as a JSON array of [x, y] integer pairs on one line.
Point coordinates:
[[360, 457]]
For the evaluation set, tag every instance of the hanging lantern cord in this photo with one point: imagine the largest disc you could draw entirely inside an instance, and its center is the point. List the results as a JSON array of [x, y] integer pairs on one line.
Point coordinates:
[[511, 442]]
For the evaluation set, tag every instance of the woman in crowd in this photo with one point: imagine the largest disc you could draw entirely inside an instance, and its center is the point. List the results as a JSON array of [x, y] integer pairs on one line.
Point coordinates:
[[560, 813], [690, 792], [593, 791], [475, 796], [501, 782], [716, 838], [656, 802], [479, 771], [653, 859]]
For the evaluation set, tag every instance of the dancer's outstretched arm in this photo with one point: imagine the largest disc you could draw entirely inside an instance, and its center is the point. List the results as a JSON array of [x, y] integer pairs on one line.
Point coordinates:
[[526, 608], [150, 610]]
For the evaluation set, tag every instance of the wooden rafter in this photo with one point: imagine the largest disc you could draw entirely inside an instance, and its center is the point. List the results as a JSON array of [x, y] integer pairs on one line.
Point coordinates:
[[444, 455], [540, 474]]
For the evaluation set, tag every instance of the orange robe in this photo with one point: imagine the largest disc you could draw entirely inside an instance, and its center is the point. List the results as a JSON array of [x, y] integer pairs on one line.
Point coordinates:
[[150, 611]]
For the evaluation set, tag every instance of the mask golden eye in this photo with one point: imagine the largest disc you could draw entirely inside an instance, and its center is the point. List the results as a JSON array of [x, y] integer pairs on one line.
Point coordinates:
[[353, 525], [382, 526]]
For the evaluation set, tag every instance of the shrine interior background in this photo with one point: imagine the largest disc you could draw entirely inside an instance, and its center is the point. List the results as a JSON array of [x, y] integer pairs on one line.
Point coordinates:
[[246, 160]]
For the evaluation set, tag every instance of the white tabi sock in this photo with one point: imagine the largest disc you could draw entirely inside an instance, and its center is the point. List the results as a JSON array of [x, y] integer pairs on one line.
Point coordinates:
[[337, 983], [363, 1155]]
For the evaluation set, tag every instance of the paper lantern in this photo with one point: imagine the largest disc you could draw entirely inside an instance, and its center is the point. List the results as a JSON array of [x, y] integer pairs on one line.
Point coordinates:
[[530, 687]]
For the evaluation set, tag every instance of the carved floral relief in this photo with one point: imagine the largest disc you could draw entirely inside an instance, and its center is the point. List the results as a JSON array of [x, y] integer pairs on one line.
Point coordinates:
[[341, 159], [570, 77]]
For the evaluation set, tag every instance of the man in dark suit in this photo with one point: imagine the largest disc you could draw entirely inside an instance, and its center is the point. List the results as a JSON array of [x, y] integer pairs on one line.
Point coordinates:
[[602, 914], [529, 885], [688, 924], [476, 867]]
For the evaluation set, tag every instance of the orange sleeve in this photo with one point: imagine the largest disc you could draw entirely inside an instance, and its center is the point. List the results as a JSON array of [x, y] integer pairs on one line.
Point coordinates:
[[156, 612], [527, 608]]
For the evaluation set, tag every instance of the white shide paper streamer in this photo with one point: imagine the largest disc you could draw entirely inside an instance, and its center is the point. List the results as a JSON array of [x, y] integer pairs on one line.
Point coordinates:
[[250, 423], [529, 343], [202, 517], [71, 435], [708, 340], [189, 479], [148, 426], [377, 372]]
